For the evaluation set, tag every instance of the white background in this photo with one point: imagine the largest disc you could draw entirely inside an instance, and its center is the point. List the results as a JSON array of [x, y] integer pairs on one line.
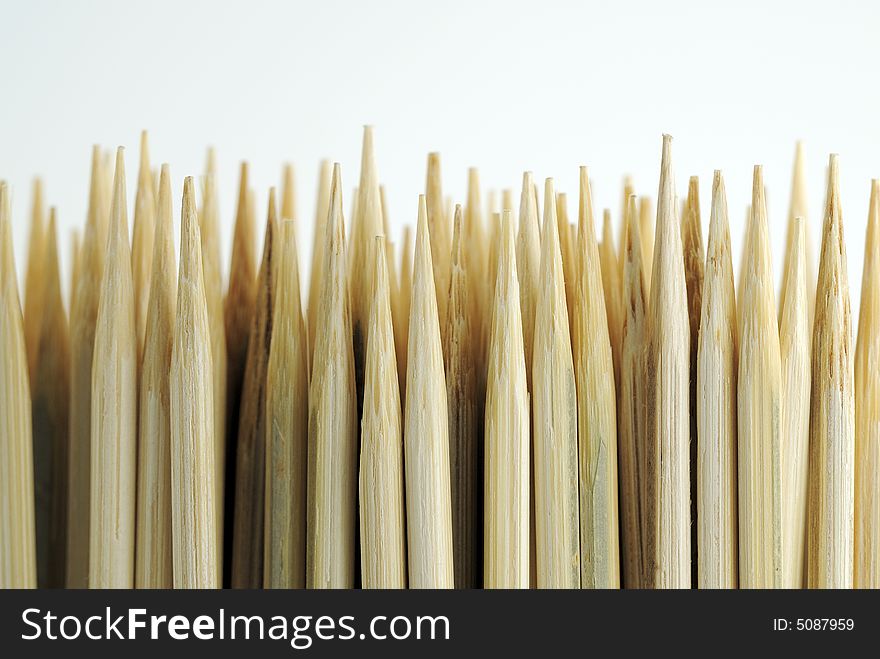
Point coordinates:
[[506, 86]]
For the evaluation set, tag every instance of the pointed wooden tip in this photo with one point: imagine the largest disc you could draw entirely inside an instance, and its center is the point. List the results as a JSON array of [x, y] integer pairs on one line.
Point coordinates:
[[288, 193], [381, 289], [585, 205], [550, 201], [423, 237], [718, 222], [456, 236], [190, 241], [211, 161], [7, 259], [335, 221], [118, 206], [144, 171], [667, 179], [507, 254], [165, 212]]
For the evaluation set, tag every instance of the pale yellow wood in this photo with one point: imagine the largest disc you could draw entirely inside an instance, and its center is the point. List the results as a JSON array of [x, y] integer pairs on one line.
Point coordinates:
[[798, 209], [461, 350], [250, 457], [794, 345], [646, 224], [209, 230], [83, 318], [867, 475], [193, 511], [18, 559], [153, 551], [382, 526], [759, 410], [333, 434], [426, 430], [34, 286], [667, 510], [114, 409], [143, 235], [832, 413], [597, 410], [506, 489], [322, 208], [611, 288], [554, 402], [438, 229], [287, 426], [631, 406], [288, 193], [569, 265], [476, 259], [401, 326], [715, 407]]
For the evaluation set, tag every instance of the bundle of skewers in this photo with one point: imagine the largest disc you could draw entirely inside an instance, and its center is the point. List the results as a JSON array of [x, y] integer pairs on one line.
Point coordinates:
[[510, 400]]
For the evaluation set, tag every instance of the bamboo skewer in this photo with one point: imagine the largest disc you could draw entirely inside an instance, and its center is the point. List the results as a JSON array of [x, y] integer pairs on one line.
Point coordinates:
[[83, 319], [192, 416], [667, 513], [461, 351], [114, 409], [34, 287], [332, 476], [18, 559], [597, 413], [50, 394], [426, 430], [759, 410], [631, 401], [238, 313], [287, 427], [250, 461], [694, 272], [143, 235], [288, 193], [153, 551], [319, 241], [382, 527], [506, 489], [438, 230], [611, 287], [209, 232], [832, 414], [716, 401], [794, 345], [867, 455], [646, 224], [798, 209], [555, 420], [566, 246]]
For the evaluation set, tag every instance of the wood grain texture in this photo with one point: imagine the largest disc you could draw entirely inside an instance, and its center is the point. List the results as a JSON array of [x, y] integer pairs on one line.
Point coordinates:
[[18, 556], [114, 409]]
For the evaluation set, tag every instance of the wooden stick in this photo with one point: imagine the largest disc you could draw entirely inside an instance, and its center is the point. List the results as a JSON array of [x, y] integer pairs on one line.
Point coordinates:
[[528, 263], [798, 209], [75, 264], [566, 246], [794, 346], [694, 272], [715, 405], [319, 241], [192, 416], [83, 318], [332, 478], [426, 436], [114, 409], [597, 414], [153, 552], [18, 558], [646, 224], [50, 393], [667, 511], [401, 324], [143, 235], [759, 410], [288, 193], [611, 288], [506, 528], [34, 287], [475, 256], [461, 350], [631, 402], [555, 420], [628, 191], [832, 414], [238, 316], [867, 456], [250, 461], [287, 426], [209, 225], [439, 234], [382, 526]]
